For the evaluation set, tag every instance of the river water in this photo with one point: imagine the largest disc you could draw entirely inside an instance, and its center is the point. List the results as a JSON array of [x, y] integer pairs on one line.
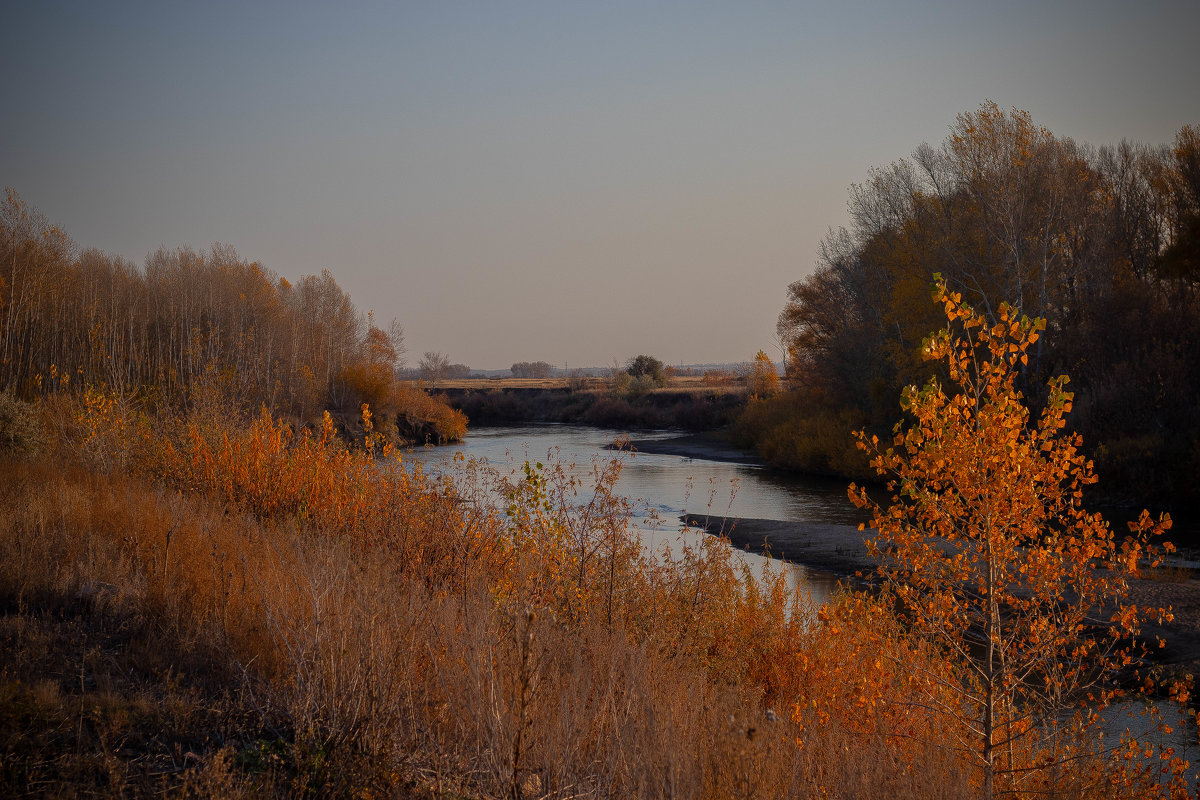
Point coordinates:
[[662, 487]]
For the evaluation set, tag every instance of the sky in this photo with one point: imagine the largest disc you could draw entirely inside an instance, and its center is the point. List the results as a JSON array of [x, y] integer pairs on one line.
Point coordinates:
[[573, 182]]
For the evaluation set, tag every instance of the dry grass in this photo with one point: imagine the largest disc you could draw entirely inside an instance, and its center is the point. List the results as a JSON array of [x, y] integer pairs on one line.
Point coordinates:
[[1170, 574], [191, 639], [116, 669], [510, 383]]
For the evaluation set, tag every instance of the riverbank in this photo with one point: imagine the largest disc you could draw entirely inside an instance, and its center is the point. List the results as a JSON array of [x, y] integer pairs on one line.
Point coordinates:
[[838, 549], [696, 445], [841, 550], [690, 407]]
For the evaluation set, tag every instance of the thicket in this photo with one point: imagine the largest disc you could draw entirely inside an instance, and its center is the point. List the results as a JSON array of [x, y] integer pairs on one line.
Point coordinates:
[[187, 324], [21, 430], [322, 625], [1104, 244]]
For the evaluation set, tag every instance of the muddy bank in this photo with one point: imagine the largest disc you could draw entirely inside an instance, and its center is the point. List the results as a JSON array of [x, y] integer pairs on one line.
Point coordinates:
[[841, 550], [696, 445]]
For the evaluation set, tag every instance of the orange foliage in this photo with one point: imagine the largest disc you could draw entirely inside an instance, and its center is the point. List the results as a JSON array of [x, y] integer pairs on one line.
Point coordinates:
[[988, 551], [762, 379], [423, 418]]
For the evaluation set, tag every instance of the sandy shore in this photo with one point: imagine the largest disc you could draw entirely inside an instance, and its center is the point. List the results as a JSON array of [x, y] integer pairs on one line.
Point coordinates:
[[841, 549], [696, 445]]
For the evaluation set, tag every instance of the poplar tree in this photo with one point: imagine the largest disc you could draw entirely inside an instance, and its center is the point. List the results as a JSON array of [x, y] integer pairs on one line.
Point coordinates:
[[990, 556]]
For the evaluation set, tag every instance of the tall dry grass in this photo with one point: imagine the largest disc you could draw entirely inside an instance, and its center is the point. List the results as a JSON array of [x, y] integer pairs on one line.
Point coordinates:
[[327, 624]]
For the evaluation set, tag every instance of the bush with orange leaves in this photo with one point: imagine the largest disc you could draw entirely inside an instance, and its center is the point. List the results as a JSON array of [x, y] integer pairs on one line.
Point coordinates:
[[424, 419]]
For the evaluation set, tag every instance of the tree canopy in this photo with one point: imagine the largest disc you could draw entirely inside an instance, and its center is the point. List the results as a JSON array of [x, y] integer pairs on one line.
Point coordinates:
[[1101, 243], [532, 369], [648, 367]]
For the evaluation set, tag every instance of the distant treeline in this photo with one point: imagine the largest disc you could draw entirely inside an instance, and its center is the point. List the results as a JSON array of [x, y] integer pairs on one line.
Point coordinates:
[[188, 321], [532, 369], [1102, 243]]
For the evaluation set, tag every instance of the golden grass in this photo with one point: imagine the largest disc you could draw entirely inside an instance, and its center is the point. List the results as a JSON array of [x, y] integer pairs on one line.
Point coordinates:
[[509, 383], [365, 679], [177, 632]]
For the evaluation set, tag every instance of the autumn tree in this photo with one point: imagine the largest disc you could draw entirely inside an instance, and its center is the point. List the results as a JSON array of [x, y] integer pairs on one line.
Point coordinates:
[[992, 559], [33, 254], [1101, 243], [1181, 260], [370, 377], [186, 328], [433, 367], [762, 380]]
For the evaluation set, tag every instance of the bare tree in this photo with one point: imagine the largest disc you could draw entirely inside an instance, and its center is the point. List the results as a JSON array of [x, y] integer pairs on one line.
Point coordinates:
[[433, 367], [532, 369], [395, 334]]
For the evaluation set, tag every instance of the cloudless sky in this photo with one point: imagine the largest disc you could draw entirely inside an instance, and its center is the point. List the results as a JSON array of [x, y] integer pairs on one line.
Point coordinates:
[[563, 181]]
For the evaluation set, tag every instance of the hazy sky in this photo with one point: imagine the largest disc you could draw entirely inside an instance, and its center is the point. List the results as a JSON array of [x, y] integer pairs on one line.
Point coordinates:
[[561, 181]]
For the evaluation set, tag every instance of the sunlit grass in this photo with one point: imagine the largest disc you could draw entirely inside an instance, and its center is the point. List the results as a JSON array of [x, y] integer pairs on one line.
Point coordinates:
[[249, 611]]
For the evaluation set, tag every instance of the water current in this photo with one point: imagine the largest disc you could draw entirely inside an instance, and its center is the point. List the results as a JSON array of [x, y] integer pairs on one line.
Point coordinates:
[[662, 487]]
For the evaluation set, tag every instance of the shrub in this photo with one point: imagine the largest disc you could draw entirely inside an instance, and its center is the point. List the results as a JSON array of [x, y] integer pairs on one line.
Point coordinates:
[[647, 367], [21, 430], [795, 430], [423, 419]]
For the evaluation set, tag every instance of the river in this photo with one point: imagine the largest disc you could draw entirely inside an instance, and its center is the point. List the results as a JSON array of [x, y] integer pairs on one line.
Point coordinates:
[[662, 487]]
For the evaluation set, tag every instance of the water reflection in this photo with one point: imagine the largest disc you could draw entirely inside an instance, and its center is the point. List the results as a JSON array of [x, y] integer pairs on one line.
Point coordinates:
[[662, 487]]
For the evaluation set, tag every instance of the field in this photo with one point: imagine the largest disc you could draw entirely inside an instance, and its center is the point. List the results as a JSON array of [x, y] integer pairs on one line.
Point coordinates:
[[692, 384]]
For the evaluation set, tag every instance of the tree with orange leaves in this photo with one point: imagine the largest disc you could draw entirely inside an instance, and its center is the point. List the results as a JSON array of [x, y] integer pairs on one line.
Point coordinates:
[[991, 558], [761, 379]]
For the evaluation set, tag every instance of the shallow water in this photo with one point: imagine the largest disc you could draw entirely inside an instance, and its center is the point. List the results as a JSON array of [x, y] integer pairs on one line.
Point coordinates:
[[662, 487]]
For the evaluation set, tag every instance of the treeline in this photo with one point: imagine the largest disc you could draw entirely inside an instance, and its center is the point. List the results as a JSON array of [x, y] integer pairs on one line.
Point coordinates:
[[188, 322], [1102, 243], [532, 369]]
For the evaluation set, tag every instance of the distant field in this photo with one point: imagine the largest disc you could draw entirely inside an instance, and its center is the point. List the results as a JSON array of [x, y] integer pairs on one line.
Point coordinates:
[[510, 383], [695, 383]]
